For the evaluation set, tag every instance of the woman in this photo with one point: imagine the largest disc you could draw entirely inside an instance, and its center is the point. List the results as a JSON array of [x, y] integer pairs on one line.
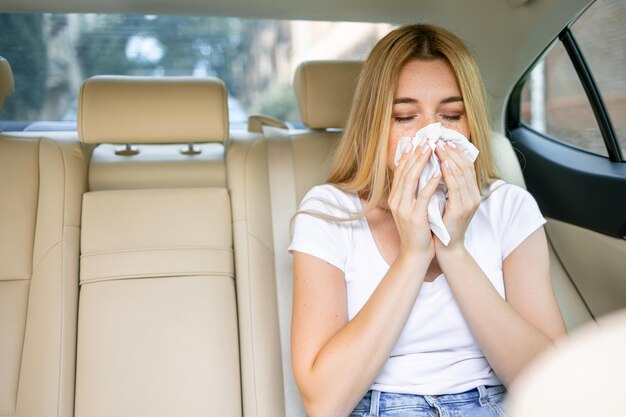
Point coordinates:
[[387, 320]]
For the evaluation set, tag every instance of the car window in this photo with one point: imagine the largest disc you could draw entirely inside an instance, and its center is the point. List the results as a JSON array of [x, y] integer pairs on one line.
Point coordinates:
[[554, 103], [51, 54], [601, 35], [553, 100]]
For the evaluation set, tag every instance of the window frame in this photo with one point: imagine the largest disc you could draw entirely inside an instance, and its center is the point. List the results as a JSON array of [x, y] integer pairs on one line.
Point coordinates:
[[570, 184], [585, 76]]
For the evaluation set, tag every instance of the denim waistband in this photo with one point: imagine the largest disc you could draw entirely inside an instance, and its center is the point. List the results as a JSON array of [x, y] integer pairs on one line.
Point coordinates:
[[376, 400]]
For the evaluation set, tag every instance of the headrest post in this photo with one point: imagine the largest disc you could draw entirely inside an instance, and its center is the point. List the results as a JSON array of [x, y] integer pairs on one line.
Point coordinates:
[[190, 150], [127, 150]]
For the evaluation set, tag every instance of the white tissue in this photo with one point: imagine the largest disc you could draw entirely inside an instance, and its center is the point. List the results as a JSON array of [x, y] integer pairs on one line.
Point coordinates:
[[432, 134]]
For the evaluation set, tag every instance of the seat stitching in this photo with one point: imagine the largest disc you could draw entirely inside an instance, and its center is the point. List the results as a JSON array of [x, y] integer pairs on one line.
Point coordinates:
[[248, 264], [207, 274], [181, 248]]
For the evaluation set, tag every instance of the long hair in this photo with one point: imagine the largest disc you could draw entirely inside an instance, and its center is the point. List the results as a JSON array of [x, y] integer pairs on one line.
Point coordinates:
[[359, 163]]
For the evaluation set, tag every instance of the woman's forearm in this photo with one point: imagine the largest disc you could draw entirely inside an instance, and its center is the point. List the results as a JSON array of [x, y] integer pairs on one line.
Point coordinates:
[[508, 341], [347, 364]]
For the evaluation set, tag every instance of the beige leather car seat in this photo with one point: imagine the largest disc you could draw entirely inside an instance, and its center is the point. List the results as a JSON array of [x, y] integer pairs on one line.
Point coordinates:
[[157, 328], [41, 186], [259, 222]]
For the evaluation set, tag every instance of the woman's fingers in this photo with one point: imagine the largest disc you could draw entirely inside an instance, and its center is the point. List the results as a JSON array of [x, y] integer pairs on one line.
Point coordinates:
[[426, 193], [458, 175], [466, 167], [463, 194], [452, 177], [412, 174], [398, 176]]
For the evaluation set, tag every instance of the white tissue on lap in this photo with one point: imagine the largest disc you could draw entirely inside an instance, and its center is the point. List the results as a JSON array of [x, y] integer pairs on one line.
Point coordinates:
[[432, 134]]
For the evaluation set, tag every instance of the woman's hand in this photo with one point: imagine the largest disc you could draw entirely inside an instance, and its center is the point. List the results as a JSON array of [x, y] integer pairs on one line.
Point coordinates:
[[464, 196], [410, 211]]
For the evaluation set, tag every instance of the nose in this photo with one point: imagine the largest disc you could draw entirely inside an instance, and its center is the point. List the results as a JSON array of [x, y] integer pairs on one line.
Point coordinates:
[[426, 120]]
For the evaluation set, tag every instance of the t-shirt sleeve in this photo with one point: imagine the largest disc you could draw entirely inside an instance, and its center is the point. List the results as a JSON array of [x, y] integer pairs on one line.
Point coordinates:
[[317, 236], [520, 218]]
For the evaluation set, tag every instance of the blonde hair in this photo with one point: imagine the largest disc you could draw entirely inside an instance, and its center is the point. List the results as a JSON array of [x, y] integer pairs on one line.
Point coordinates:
[[359, 163]]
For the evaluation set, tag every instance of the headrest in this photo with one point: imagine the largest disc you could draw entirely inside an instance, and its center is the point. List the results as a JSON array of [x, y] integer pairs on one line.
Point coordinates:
[[120, 109], [325, 90], [6, 81]]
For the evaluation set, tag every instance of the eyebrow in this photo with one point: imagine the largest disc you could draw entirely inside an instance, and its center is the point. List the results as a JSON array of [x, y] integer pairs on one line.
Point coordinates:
[[409, 100], [452, 99], [403, 100]]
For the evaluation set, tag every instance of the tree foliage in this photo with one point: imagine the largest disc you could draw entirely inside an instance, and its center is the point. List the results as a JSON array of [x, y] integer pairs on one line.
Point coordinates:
[[22, 44], [214, 46], [102, 46], [231, 49]]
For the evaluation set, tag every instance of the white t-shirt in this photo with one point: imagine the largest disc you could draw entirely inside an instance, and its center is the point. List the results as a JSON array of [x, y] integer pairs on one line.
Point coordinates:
[[436, 352]]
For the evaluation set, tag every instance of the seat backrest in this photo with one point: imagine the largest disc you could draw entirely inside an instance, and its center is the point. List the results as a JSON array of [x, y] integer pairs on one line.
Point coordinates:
[[41, 186], [157, 329], [258, 295], [324, 90], [248, 183]]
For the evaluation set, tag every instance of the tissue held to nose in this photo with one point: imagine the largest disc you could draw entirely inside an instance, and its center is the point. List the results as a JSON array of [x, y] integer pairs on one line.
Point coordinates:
[[431, 135]]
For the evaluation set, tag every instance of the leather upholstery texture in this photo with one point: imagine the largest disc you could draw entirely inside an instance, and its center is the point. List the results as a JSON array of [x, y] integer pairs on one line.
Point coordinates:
[[18, 222], [599, 275], [144, 233], [157, 328], [261, 366], [41, 184], [157, 322], [123, 109], [157, 166], [325, 90]]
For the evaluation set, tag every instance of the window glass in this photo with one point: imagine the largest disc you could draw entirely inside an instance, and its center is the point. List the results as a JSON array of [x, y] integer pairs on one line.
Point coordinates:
[[554, 103], [51, 54], [601, 35]]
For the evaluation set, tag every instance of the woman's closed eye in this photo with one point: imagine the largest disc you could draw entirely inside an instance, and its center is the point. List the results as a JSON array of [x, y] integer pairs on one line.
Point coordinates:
[[451, 117], [444, 117], [403, 119]]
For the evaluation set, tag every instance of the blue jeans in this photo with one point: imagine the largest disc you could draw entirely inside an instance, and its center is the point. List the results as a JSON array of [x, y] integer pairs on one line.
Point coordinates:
[[478, 402]]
